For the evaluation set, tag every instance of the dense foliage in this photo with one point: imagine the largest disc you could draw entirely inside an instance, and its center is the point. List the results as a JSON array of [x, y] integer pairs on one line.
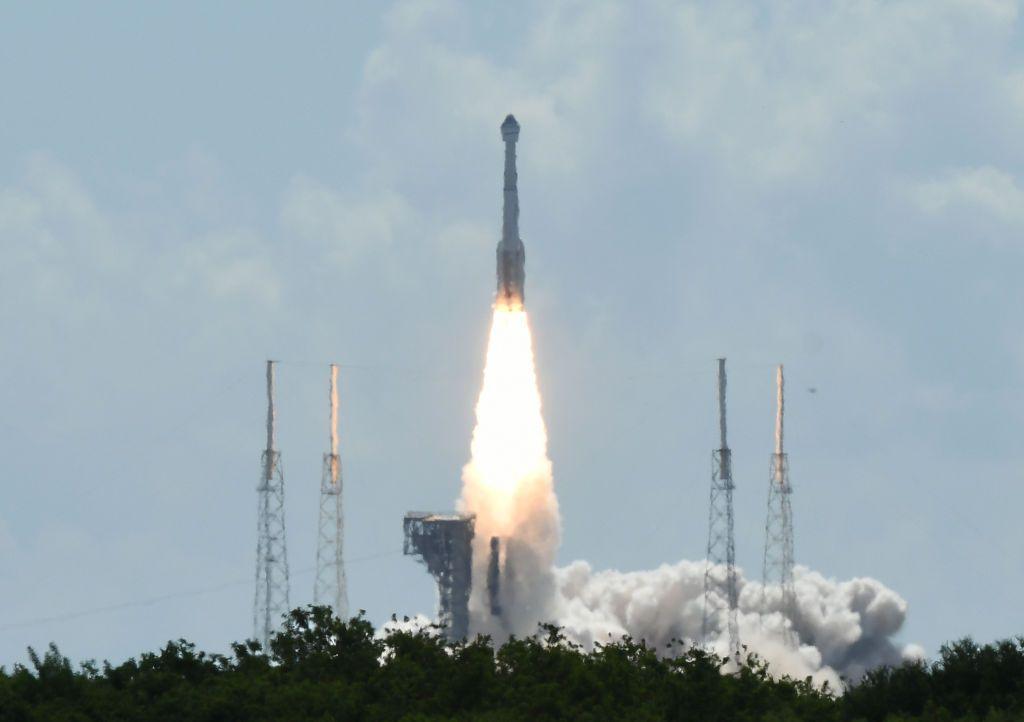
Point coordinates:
[[323, 668]]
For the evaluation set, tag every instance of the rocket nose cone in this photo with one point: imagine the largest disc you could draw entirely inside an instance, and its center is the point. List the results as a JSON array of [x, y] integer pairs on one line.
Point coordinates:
[[510, 128]]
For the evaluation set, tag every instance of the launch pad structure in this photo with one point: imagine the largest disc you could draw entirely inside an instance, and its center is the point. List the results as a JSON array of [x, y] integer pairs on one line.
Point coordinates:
[[444, 543]]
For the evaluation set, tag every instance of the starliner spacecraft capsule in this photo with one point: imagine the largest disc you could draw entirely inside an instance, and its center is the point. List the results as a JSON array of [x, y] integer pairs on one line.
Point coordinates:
[[511, 253]]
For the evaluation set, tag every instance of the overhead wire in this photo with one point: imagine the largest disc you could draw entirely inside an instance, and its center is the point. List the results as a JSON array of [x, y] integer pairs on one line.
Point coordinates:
[[149, 601]]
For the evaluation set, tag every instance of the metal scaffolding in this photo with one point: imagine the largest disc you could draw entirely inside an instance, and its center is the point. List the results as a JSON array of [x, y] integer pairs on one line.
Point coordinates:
[[721, 550], [778, 531], [444, 542], [330, 587], [271, 600]]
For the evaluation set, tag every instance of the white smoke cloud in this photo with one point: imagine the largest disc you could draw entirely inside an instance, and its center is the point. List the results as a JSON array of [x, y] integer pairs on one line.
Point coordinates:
[[417, 624], [843, 628]]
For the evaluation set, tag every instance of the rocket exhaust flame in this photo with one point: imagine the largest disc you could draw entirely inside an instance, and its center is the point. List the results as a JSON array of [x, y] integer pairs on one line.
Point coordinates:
[[508, 482], [510, 441]]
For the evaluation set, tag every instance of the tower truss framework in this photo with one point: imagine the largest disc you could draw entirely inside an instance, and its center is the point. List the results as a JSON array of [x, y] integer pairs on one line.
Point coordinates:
[[271, 599], [721, 549], [444, 543], [778, 531], [330, 587]]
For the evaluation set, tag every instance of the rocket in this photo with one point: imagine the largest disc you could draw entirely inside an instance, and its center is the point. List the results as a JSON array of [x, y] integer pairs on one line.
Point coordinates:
[[511, 253]]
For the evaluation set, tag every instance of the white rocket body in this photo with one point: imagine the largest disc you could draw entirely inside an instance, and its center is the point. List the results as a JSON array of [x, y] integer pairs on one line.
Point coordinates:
[[511, 252]]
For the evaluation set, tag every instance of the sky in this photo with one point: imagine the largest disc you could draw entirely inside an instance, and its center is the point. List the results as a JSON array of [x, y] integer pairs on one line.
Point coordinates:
[[188, 189]]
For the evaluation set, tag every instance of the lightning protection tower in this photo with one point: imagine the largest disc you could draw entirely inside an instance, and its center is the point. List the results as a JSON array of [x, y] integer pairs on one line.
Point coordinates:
[[271, 600], [721, 550], [330, 586], [778, 531]]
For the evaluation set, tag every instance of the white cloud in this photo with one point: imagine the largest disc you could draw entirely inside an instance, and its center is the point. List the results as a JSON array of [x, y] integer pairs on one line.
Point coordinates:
[[775, 90], [1013, 89], [58, 246], [65, 254], [449, 93], [233, 264], [411, 15], [464, 235], [988, 190], [345, 228]]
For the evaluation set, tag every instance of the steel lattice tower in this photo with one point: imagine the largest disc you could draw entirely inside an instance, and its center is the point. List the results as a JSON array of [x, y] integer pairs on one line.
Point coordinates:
[[721, 549], [271, 600], [330, 587], [778, 531]]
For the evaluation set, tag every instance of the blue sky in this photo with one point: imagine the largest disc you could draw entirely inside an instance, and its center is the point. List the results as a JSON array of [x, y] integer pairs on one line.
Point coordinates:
[[187, 190]]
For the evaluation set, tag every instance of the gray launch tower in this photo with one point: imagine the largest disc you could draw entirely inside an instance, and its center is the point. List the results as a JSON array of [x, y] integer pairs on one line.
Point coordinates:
[[329, 588], [511, 252], [778, 531], [721, 540], [271, 600], [444, 543]]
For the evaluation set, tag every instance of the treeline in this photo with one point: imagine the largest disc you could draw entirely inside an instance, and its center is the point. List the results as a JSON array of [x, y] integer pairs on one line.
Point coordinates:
[[322, 668]]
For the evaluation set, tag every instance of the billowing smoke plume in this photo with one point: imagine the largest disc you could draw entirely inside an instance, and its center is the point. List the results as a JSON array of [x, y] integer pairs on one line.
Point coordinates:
[[843, 628]]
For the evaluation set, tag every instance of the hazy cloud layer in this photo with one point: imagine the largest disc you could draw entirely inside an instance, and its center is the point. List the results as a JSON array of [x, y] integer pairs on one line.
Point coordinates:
[[835, 186]]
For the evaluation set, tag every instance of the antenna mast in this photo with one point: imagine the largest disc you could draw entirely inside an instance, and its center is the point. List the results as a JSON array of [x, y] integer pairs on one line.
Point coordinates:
[[330, 587], [721, 549], [271, 601], [778, 532]]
